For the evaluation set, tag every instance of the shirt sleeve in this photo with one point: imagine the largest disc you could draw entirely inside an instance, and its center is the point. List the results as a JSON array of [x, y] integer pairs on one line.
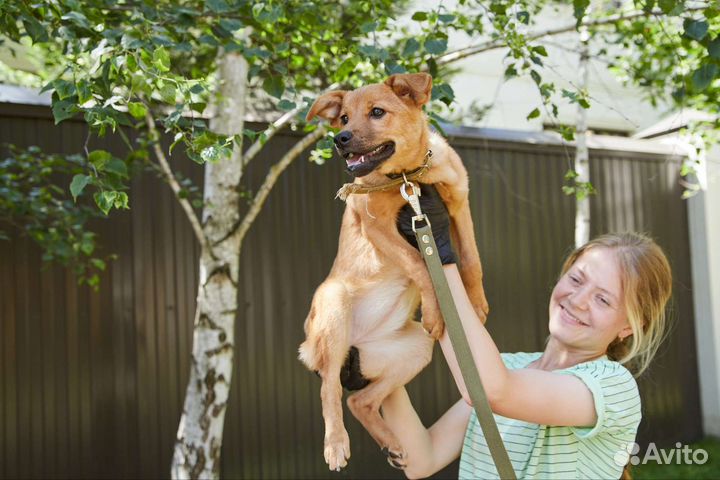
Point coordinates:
[[616, 397]]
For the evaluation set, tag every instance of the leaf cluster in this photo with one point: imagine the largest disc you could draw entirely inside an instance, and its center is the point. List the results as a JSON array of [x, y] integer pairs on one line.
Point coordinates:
[[32, 203]]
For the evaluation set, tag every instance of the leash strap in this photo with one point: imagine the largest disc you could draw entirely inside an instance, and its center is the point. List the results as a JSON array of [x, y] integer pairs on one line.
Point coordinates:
[[428, 249]]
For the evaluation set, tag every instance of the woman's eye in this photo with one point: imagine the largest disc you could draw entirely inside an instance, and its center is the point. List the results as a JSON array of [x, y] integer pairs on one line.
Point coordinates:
[[574, 279], [344, 119], [603, 300], [377, 112]]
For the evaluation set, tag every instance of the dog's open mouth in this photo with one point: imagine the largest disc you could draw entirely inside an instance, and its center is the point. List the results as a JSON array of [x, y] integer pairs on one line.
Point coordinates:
[[360, 164]]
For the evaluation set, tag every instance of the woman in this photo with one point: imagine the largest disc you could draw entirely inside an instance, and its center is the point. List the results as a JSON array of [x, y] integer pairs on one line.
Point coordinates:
[[566, 412]]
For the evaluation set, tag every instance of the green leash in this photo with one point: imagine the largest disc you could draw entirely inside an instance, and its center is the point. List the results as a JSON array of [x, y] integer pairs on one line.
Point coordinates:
[[428, 249]]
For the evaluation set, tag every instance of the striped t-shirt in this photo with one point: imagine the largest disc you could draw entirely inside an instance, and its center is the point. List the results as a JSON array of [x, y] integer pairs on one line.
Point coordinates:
[[543, 451]]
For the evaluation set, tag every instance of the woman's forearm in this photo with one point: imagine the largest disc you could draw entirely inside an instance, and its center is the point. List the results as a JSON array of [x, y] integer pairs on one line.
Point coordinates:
[[415, 439], [426, 450], [493, 373]]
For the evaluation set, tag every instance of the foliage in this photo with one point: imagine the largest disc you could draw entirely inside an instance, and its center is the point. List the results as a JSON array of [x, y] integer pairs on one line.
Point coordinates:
[[31, 201], [121, 64]]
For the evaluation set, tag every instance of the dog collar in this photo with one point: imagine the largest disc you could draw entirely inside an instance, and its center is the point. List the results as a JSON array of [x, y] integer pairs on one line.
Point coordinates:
[[396, 180]]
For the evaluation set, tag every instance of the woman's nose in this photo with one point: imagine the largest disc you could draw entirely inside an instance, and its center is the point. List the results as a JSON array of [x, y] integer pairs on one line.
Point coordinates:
[[580, 298]]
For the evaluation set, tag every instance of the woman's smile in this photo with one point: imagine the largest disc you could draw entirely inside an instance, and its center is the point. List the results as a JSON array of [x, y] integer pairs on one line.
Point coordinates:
[[569, 319]]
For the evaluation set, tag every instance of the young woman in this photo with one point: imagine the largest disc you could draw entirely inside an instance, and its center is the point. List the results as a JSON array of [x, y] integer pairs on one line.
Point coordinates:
[[571, 410]]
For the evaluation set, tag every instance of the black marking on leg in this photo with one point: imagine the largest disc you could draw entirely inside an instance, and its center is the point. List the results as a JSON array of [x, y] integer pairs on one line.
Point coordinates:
[[351, 377]]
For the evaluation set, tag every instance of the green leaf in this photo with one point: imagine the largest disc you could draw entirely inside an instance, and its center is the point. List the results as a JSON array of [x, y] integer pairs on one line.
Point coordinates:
[[117, 166], [161, 59], [98, 263], [286, 105], [64, 89], [695, 29], [435, 46], [83, 91], [714, 48], [368, 27], [218, 6], [231, 24], [63, 109], [580, 7], [536, 77], [523, 17], [99, 158], [443, 92], [105, 200], [420, 16], [274, 85], [411, 46], [35, 29], [704, 75], [667, 6], [167, 93], [540, 50], [534, 114], [78, 184], [446, 18], [137, 110]]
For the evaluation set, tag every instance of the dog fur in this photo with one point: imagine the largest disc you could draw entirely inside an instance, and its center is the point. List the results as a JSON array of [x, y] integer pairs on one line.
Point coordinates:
[[378, 279]]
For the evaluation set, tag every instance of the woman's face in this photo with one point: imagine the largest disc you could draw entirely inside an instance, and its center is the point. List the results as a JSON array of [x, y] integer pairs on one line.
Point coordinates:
[[587, 306]]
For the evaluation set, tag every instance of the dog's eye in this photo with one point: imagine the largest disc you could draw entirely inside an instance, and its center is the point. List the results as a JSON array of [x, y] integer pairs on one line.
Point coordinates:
[[377, 112], [344, 119]]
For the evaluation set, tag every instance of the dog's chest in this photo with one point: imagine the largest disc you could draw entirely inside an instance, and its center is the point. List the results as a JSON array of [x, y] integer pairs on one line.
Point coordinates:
[[382, 307]]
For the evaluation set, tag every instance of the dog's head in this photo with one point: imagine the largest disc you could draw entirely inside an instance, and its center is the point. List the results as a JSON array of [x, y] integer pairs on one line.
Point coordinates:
[[382, 125]]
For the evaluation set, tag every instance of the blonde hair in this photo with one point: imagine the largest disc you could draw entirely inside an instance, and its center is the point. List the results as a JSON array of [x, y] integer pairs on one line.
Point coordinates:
[[647, 285]]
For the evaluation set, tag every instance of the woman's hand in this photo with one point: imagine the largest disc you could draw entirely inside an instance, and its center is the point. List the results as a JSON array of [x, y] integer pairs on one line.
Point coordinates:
[[431, 205]]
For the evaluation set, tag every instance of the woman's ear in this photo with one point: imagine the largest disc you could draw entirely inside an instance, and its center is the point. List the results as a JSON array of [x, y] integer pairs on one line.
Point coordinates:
[[625, 332]]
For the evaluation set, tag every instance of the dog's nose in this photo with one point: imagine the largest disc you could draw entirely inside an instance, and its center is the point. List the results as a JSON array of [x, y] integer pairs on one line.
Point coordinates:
[[342, 138]]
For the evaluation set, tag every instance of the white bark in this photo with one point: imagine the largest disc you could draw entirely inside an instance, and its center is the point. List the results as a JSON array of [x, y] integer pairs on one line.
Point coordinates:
[[582, 163], [199, 436]]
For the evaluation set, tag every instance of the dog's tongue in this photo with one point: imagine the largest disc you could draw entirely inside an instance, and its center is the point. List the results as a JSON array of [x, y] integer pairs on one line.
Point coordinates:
[[355, 160]]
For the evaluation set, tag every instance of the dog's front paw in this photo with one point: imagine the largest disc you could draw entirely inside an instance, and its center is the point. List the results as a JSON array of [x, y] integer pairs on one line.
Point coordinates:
[[337, 450], [396, 456], [433, 323]]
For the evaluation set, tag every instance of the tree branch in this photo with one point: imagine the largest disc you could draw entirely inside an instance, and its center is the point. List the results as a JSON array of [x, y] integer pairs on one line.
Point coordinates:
[[169, 177], [469, 51], [269, 133], [272, 177], [275, 127]]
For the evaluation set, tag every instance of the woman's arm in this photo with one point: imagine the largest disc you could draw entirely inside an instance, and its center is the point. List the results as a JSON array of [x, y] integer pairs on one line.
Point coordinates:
[[535, 396], [428, 450]]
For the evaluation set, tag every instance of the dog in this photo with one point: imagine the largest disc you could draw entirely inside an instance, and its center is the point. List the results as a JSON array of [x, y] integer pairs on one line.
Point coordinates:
[[369, 299]]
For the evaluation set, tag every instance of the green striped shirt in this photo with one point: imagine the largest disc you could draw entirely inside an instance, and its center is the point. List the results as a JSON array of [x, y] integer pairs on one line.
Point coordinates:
[[543, 451]]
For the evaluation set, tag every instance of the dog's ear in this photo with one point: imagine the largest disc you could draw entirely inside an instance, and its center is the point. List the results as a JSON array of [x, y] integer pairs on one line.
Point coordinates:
[[415, 87], [327, 106]]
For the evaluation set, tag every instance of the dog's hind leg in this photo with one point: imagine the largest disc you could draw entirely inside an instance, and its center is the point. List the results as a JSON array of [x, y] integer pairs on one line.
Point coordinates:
[[392, 362], [324, 350]]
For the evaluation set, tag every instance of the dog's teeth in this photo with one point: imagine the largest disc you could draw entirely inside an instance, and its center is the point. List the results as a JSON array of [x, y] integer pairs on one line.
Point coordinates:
[[362, 159]]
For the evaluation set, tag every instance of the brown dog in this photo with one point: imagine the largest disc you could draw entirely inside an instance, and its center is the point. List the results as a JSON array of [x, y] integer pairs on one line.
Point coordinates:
[[372, 292]]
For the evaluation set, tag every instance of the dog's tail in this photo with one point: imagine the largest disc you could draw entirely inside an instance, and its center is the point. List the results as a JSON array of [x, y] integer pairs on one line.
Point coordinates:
[[307, 353]]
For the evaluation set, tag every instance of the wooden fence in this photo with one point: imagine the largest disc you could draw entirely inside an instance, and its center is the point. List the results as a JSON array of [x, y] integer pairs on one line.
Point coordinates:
[[92, 384]]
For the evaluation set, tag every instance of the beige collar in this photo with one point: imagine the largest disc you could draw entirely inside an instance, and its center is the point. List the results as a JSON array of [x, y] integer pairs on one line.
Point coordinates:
[[350, 188]]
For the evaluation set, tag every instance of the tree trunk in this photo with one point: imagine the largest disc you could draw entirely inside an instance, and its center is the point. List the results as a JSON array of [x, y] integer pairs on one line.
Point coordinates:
[[199, 436], [582, 157]]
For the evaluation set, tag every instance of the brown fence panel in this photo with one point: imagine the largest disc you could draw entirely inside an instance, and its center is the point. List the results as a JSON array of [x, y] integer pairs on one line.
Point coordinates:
[[92, 383]]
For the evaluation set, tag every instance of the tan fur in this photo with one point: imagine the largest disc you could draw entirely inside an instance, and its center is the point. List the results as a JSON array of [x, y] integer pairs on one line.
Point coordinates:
[[377, 281]]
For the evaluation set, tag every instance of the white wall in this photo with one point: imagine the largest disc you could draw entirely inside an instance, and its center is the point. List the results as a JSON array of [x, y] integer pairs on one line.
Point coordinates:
[[704, 217], [614, 107]]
